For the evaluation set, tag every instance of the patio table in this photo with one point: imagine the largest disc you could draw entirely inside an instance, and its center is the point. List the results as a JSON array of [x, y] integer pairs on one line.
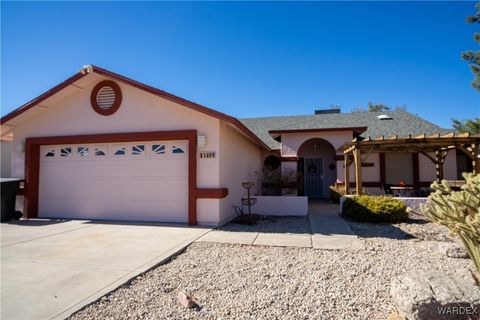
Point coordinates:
[[401, 191]]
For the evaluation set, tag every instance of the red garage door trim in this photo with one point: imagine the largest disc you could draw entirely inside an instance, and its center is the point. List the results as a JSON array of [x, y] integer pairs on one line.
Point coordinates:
[[32, 164]]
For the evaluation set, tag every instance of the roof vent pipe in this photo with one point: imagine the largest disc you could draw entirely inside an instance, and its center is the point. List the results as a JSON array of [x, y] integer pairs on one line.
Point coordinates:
[[384, 117]]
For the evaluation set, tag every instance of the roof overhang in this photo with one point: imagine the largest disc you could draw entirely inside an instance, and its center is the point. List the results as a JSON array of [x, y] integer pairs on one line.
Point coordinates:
[[86, 70], [277, 133]]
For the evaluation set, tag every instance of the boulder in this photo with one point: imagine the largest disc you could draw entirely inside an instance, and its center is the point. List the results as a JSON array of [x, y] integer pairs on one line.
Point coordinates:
[[454, 250], [434, 295], [185, 300]]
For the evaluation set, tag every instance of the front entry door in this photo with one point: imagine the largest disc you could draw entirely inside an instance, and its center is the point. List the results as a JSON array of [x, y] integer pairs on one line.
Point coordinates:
[[313, 173]]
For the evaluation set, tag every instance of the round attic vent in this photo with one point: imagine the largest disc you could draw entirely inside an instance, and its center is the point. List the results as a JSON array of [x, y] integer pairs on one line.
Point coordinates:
[[106, 97]]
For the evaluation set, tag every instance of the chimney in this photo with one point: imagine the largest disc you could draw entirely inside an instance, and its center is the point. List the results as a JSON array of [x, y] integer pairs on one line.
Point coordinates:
[[327, 111]]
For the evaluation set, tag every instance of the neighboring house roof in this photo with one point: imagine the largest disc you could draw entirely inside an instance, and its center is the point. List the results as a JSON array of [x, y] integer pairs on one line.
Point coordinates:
[[402, 124], [94, 69]]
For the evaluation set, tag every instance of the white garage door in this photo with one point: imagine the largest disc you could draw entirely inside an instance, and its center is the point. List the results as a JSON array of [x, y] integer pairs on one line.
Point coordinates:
[[140, 181]]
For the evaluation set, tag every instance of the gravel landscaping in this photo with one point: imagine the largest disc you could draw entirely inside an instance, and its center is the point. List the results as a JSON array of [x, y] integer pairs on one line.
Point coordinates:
[[259, 282], [272, 224]]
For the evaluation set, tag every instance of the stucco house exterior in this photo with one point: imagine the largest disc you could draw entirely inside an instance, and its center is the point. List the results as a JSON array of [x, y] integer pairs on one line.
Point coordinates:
[[103, 146]]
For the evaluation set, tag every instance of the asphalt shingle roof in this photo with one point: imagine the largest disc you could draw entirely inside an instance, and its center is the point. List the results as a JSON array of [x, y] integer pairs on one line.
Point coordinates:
[[402, 124]]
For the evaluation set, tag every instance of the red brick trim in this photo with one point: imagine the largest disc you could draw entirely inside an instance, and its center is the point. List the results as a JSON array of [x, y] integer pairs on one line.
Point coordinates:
[[32, 163], [211, 193], [289, 159], [116, 103]]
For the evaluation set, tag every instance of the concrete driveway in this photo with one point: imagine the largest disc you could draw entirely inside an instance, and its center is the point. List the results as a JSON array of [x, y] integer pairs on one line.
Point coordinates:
[[52, 268]]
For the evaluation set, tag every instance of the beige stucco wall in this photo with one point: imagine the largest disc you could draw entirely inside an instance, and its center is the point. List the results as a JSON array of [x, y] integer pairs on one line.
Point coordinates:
[[239, 159], [369, 174], [291, 142], [427, 168], [139, 111]]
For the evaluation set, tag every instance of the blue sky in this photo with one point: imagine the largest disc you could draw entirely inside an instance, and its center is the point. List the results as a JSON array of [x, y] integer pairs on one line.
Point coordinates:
[[252, 58]]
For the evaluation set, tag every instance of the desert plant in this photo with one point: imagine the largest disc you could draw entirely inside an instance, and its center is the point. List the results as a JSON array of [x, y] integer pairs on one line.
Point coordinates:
[[459, 211], [374, 209]]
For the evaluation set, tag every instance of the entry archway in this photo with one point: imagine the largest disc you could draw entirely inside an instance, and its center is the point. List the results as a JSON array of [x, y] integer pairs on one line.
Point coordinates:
[[318, 166]]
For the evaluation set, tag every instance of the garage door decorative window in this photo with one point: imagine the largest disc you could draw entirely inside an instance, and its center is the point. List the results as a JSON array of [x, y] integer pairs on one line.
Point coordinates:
[[120, 151], [177, 150], [50, 153], [158, 148], [65, 152], [100, 151], [82, 151], [106, 98], [138, 149]]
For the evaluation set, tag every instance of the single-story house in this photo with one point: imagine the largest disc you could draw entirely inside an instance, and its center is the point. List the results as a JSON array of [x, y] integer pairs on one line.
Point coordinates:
[[103, 146]]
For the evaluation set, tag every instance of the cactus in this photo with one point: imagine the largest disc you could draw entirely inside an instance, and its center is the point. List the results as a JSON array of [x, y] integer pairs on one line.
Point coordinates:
[[459, 211]]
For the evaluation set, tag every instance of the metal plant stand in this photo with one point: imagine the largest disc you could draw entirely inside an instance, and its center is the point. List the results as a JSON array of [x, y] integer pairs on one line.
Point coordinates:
[[248, 201], [246, 217]]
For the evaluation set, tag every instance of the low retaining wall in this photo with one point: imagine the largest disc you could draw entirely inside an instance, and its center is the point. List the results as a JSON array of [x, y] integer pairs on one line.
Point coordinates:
[[281, 206], [410, 202], [413, 203]]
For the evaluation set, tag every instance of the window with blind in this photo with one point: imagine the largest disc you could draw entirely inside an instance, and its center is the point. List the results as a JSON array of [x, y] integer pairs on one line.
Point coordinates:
[[398, 167]]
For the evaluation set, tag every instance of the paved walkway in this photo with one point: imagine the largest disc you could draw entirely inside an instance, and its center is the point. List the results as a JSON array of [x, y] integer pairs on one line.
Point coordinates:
[[52, 268], [327, 231]]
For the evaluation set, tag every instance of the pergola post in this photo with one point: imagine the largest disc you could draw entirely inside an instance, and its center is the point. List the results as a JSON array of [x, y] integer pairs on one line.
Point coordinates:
[[358, 170], [439, 160], [346, 174], [476, 159]]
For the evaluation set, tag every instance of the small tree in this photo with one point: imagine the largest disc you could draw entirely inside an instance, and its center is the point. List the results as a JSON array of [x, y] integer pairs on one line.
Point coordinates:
[[377, 107], [473, 57], [459, 211], [471, 126]]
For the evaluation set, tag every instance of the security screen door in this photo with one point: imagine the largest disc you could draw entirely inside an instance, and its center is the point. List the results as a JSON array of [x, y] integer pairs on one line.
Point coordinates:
[[313, 173]]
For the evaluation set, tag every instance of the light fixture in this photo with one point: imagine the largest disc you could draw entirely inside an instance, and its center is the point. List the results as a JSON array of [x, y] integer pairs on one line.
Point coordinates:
[[201, 141]]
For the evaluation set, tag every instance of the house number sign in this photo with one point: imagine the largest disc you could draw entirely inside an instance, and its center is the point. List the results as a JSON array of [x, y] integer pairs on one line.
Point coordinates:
[[207, 154]]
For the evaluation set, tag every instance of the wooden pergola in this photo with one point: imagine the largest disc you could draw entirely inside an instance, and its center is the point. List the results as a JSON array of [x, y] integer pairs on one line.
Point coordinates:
[[434, 147]]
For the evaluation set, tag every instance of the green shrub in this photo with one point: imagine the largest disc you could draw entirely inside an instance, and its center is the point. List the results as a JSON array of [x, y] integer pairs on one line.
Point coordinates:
[[374, 209]]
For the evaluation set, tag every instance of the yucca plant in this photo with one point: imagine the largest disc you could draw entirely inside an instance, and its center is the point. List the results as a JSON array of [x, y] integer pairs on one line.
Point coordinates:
[[459, 211]]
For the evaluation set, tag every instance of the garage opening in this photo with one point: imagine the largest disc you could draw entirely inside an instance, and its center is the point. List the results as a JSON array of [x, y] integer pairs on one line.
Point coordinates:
[[132, 181]]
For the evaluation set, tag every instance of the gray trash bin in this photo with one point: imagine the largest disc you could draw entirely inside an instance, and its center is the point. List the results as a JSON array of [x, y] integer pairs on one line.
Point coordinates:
[[9, 189]]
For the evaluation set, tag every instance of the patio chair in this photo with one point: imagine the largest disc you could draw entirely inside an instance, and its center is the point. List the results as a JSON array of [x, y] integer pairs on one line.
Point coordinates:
[[386, 189]]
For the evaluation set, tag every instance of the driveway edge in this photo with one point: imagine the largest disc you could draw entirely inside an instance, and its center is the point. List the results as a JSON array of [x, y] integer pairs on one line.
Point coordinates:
[[127, 278]]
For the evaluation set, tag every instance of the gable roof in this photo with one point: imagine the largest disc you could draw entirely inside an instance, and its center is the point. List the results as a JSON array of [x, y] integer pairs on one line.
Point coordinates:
[[163, 94], [402, 123], [259, 130]]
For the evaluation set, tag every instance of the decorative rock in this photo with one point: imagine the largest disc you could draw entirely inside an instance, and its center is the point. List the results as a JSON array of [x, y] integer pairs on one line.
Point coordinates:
[[185, 300], [248, 282], [430, 296], [394, 315], [454, 250]]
